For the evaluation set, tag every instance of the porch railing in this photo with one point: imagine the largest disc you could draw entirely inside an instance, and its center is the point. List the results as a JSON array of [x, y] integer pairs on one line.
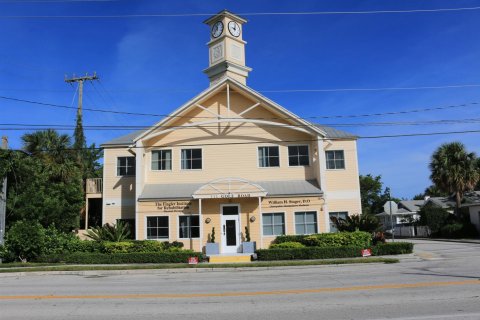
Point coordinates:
[[95, 185]]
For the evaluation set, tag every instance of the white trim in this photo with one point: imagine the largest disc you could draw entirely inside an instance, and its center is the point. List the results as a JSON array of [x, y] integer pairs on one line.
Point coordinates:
[[127, 175], [343, 194], [178, 225], [261, 221], [157, 214], [304, 211], [344, 160], [239, 221], [258, 156], [104, 201], [228, 120], [139, 182], [200, 216], [248, 109], [228, 100], [284, 223], [208, 110], [309, 155], [198, 195], [151, 159], [180, 158], [323, 180], [219, 86]]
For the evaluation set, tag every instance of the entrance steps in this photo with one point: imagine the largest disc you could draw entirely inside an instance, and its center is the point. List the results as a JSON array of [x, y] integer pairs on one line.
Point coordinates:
[[230, 258]]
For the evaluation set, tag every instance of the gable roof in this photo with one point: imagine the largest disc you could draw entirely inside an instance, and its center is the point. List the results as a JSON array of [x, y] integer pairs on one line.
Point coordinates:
[[219, 86], [325, 131]]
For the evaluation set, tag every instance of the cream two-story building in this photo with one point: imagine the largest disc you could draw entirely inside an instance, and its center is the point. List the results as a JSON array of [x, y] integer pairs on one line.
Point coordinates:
[[227, 159]]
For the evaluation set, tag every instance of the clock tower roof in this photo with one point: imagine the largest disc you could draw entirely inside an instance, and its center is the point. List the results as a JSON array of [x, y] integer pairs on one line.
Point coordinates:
[[225, 13]]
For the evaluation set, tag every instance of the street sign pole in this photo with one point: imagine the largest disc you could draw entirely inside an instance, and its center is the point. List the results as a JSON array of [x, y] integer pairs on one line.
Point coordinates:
[[391, 215], [3, 199]]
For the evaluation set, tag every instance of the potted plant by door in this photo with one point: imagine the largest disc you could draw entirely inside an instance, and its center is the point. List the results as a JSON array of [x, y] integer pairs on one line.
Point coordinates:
[[248, 246], [212, 247]]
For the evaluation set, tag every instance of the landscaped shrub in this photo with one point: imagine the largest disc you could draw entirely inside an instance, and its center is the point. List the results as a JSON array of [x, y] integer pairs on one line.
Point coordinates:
[[25, 240], [290, 244], [86, 246], [134, 246], [464, 229], [308, 253], [58, 242], [339, 239], [332, 252], [120, 258], [392, 248]]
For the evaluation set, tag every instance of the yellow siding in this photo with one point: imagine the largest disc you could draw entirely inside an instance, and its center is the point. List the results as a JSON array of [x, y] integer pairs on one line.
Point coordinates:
[[231, 150], [118, 192]]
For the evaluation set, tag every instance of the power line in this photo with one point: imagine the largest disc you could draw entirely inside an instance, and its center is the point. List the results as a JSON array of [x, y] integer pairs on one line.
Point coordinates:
[[25, 126], [284, 141], [170, 91], [273, 118], [297, 13]]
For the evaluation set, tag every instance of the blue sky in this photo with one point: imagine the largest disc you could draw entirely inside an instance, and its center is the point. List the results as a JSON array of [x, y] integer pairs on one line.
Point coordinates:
[[153, 65]]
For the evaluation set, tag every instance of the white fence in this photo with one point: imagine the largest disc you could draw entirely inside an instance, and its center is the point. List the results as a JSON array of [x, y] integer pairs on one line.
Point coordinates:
[[412, 231]]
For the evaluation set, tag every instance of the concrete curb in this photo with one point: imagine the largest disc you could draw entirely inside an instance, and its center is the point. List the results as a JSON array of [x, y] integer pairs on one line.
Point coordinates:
[[101, 273]]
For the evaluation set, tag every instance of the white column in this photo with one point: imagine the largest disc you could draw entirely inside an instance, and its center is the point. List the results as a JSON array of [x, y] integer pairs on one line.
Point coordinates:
[[200, 222], [260, 218], [139, 181], [322, 162]]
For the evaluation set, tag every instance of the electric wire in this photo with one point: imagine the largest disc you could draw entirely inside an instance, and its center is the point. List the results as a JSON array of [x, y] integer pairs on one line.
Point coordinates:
[[292, 13], [269, 141], [272, 118]]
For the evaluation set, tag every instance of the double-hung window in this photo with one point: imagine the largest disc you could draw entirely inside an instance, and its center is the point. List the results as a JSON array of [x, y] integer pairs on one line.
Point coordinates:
[[337, 215], [191, 159], [162, 160], [335, 159], [305, 222], [125, 166], [189, 227], [273, 224], [268, 157], [157, 228], [298, 156]]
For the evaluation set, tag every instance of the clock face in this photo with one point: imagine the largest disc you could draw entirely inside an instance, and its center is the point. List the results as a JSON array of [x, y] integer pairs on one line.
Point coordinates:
[[234, 28], [217, 29]]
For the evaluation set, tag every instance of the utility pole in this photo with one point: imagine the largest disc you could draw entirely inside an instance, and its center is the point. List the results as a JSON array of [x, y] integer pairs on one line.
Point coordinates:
[[79, 136], [3, 199]]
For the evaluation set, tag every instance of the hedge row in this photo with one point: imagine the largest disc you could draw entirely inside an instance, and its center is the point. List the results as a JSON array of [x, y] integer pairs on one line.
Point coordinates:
[[133, 246], [120, 258], [332, 252], [338, 239]]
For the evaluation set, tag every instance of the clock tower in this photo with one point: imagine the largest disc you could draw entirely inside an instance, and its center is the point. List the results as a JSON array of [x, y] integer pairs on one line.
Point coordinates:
[[226, 48]]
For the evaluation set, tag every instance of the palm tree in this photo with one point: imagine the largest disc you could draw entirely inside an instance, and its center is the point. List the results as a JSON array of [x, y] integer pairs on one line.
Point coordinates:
[[53, 149], [454, 170]]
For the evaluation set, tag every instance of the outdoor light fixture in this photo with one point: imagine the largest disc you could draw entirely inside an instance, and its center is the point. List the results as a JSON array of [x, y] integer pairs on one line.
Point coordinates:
[[252, 219], [208, 220]]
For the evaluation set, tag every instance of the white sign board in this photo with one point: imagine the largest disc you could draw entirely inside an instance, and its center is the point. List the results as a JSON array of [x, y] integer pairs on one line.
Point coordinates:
[[390, 207]]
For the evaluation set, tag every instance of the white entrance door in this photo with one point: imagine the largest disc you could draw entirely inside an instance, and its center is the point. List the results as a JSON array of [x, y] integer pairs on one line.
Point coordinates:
[[230, 228]]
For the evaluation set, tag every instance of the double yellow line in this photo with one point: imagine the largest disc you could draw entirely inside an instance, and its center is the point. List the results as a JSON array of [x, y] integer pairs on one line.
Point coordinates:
[[246, 294]]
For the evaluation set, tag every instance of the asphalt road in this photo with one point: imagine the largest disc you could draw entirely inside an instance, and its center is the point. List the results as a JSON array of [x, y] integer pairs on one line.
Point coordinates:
[[440, 282]]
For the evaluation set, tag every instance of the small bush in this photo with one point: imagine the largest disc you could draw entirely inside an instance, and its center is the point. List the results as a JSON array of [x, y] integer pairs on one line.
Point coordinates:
[[332, 252], [339, 239], [290, 244], [392, 248], [463, 229], [308, 253], [120, 258], [117, 247], [25, 240], [58, 242]]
